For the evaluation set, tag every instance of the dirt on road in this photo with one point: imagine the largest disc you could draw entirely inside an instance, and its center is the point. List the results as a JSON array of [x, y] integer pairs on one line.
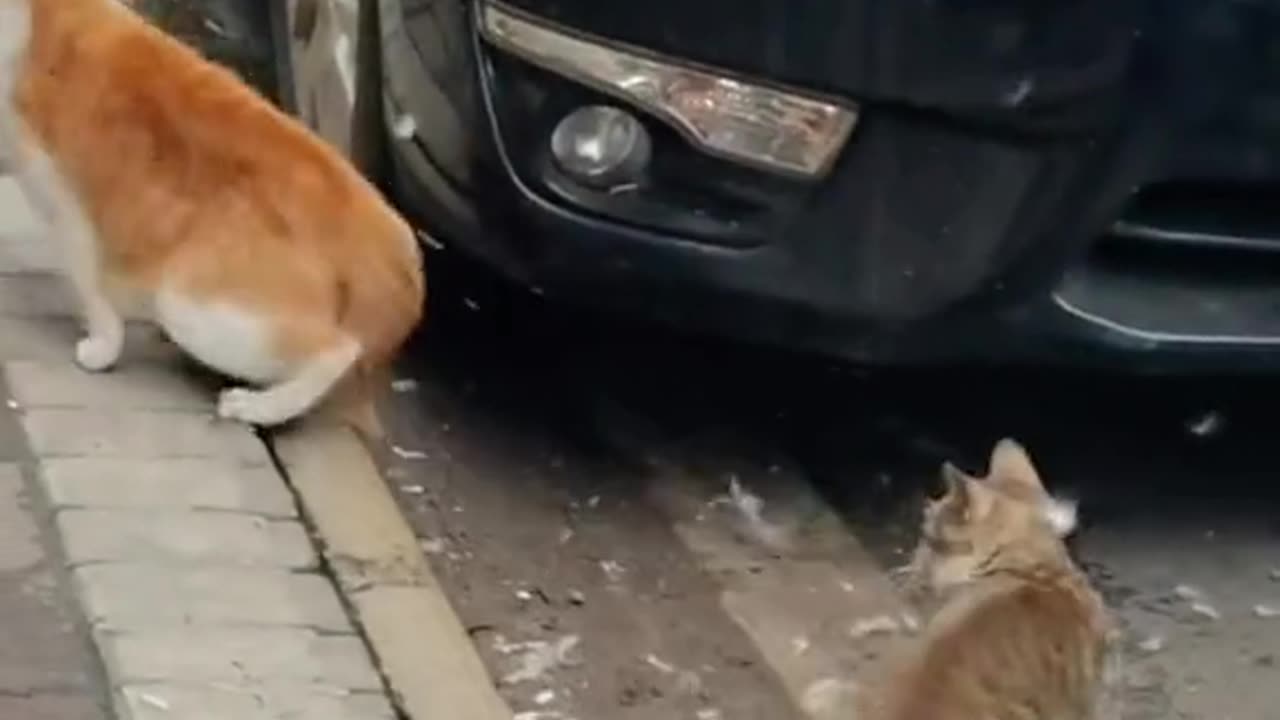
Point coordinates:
[[640, 526]]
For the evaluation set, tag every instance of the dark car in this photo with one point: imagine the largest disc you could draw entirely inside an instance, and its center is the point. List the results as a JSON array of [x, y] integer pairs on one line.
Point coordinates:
[[894, 181]]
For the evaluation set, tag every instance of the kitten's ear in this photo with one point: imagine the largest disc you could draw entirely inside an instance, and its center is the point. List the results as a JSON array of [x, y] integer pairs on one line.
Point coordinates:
[[1010, 462], [966, 499], [954, 478]]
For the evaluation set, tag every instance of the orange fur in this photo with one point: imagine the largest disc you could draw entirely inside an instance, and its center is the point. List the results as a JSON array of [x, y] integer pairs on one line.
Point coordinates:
[[1020, 634], [196, 186]]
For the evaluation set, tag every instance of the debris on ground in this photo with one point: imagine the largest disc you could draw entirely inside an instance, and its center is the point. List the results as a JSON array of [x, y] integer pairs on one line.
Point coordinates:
[[910, 622], [1206, 425], [800, 645], [827, 694], [1187, 592], [613, 570], [407, 454], [1205, 610], [751, 509], [686, 681], [537, 657], [1152, 644], [659, 664], [404, 127], [404, 385], [155, 702], [426, 239], [878, 625], [433, 546]]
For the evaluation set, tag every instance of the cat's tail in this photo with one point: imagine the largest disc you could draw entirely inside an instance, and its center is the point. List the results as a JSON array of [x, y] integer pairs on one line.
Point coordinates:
[[353, 403], [382, 302]]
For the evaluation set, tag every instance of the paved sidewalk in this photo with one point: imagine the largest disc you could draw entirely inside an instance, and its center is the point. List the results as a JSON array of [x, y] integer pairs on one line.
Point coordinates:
[[135, 524], [47, 668]]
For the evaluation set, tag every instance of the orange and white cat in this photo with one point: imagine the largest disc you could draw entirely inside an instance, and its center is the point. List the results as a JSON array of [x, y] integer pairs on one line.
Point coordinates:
[[1019, 633], [256, 247]]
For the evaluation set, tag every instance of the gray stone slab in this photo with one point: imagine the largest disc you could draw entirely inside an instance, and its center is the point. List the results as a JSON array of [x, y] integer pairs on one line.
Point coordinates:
[[139, 597], [26, 251], [134, 386], [291, 656], [199, 538], [41, 647], [138, 435], [27, 338], [37, 295], [51, 706], [174, 484], [172, 702], [53, 340]]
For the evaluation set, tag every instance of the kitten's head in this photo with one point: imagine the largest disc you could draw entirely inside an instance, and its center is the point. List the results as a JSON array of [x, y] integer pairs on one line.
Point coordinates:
[[1004, 520]]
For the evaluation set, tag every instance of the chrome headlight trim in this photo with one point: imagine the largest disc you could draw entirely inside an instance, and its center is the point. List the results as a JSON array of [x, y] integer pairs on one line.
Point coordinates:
[[782, 131]]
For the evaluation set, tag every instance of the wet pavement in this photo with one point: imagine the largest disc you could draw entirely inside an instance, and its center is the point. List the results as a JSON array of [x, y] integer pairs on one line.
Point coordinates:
[[547, 458]]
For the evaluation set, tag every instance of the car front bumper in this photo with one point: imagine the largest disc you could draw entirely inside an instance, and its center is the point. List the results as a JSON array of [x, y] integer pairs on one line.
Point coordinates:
[[930, 242]]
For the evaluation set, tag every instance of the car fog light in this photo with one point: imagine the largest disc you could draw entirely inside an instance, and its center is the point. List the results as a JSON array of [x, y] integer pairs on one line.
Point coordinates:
[[601, 146], [790, 132]]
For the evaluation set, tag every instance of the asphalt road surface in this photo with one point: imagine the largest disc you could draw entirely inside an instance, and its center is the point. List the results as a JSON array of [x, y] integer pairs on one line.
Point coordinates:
[[561, 469]]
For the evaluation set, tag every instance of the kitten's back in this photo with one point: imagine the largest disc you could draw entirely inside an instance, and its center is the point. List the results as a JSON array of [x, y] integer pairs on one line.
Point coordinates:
[[1015, 647]]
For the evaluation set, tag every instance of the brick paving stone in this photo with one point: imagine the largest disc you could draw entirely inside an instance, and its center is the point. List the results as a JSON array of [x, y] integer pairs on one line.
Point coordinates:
[[27, 252], [187, 537], [40, 645], [50, 706], [53, 341], [166, 702], [40, 296], [140, 434], [293, 656], [169, 484], [133, 386], [138, 597], [24, 247], [24, 338]]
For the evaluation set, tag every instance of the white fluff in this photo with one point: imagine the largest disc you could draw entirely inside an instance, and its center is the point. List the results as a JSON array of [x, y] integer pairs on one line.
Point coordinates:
[[1062, 515]]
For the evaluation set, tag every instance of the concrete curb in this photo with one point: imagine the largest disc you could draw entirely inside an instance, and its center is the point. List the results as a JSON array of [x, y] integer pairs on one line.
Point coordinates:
[[430, 664]]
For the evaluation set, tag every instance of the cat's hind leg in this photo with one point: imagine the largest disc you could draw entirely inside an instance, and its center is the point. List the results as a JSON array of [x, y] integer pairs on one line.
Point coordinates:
[[293, 359], [310, 383]]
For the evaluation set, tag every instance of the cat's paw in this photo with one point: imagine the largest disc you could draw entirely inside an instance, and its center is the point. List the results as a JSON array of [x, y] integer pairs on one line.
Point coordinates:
[[97, 354], [252, 407]]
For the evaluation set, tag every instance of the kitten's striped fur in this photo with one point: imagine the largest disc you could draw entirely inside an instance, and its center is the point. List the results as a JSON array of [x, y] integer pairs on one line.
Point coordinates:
[[1019, 634]]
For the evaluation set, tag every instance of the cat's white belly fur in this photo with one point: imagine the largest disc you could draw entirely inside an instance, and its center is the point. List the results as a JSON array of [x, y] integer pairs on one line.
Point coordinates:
[[221, 336]]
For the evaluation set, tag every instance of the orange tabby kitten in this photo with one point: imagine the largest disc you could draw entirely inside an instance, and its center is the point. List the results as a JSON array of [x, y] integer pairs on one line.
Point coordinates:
[[1019, 633], [255, 246]]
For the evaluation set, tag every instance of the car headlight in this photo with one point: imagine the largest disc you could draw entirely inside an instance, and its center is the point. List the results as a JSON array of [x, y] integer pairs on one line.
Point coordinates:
[[772, 129]]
